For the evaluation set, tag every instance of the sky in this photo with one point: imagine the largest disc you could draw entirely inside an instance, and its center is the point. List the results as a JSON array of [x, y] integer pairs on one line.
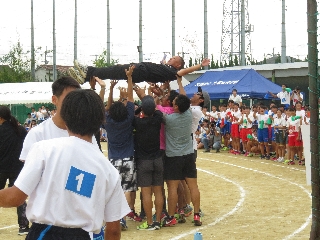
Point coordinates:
[[264, 15]]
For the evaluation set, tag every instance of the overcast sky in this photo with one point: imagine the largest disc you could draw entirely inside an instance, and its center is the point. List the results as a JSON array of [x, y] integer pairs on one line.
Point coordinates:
[[265, 16]]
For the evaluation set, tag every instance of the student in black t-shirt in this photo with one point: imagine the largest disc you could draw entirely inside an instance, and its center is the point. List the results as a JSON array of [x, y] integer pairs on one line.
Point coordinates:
[[144, 71]]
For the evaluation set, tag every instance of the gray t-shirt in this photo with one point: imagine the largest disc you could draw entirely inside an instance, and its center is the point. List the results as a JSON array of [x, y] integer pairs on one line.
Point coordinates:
[[178, 134]]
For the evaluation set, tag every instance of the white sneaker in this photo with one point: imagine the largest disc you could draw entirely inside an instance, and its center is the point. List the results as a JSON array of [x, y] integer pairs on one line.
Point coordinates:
[[280, 159]]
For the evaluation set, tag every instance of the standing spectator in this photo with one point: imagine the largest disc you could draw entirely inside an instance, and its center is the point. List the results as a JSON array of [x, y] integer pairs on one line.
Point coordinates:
[[213, 114], [40, 116], [11, 140], [28, 119], [235, 97], [284, 95], [280, 133], [34, 114], [296, 96]]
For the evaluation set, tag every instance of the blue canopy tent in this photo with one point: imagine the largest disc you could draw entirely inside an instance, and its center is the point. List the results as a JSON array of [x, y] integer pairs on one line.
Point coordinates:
[[219, 84]]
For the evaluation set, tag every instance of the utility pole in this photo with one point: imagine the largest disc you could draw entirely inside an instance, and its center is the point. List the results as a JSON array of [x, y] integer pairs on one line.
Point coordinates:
[[108, 33], [33, 73], [75, 50], [140, 32], [283, 34], [243, 35], [173, 28], [314, 100], [54, 43], [205, 32]]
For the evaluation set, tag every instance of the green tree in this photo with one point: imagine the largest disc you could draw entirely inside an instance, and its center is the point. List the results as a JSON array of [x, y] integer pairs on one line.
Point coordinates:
[[190, 61], [236, 61], [212, 65], [217, 64], [15, 66], [101, 60]]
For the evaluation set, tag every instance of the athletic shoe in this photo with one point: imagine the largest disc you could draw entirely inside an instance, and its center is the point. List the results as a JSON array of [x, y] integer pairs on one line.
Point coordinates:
[[267, 157], [187, 210], [302, 162], [250, 155], [225, 149], [291, 162], [23, 231], [280, 159], [197, 220], [262, 156], [286, 161], [207, 150], [169, 221], [243, 152], [246, 154], [134, 216], [82, 69], [182, 217], [146, 226], [123, 224], [231, 151], [274, 159], [154, 217], [156, 225], [76, 75], [218, 150]]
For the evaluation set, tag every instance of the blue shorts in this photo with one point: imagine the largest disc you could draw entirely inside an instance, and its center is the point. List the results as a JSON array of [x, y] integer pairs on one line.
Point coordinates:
[[273, 136], [263, 135]]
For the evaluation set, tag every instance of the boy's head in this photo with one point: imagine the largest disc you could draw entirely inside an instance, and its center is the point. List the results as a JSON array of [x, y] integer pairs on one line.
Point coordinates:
[[177, 62], [118, 111], [83, 112], [236, 106], [262, 109], [234, 92], [181, 103], [291, 112], [148, 106]]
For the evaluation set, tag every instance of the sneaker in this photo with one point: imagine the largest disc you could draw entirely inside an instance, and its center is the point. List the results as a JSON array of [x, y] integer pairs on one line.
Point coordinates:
[[207, 150], [218, 150], [243, 152], [262, 156], [302, 162], [76, 75], [154, 217], [274, 159], [286, 161], [82, 69], [231, 151], [197, 220], [267, 157], [23, 231], [280, 159], [246, 154], [291, 162], [156, 225], [169, 221], [182, 217], [187, 210], [123, 224], [250, 155], [146, 226], [225, 149], [134, 216]]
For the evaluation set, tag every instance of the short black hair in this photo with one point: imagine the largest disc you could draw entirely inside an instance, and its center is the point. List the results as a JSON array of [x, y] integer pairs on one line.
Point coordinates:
[[63, 83], [172, 95], [234, 90], [118, 112], [236, 104], [183, 103], [83, 112], [182, 63], [230, 101]]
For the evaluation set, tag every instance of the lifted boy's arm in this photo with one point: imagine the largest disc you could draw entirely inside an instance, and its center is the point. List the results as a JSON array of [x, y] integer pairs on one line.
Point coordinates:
[[130, 86], [182, 72]]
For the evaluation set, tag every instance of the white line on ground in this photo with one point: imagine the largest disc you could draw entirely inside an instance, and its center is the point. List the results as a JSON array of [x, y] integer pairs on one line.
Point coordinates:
[[307, 221], [11, 226], [236, 208]]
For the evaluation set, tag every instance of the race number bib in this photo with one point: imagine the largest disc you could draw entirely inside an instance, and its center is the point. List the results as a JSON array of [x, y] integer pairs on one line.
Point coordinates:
[[80, 182]]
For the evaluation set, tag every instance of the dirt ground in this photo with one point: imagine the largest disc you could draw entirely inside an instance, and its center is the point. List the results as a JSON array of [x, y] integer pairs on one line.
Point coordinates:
[[241, 197]]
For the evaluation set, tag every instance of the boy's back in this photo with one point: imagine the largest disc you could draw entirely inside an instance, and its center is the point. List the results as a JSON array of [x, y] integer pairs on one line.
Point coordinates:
[[71, 183]]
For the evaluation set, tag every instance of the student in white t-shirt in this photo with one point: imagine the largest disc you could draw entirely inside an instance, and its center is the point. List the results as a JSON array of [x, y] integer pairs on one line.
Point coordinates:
[[284, 95], [236, 98], [72, 188]]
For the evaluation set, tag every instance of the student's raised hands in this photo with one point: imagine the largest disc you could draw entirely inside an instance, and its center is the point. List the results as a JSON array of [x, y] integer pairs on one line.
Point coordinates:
[[113, 83], [130, 71]]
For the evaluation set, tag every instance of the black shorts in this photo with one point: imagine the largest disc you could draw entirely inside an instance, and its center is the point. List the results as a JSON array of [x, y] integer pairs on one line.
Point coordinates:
[[179, 168], [150, 172], [281, 137], [53, 232]]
